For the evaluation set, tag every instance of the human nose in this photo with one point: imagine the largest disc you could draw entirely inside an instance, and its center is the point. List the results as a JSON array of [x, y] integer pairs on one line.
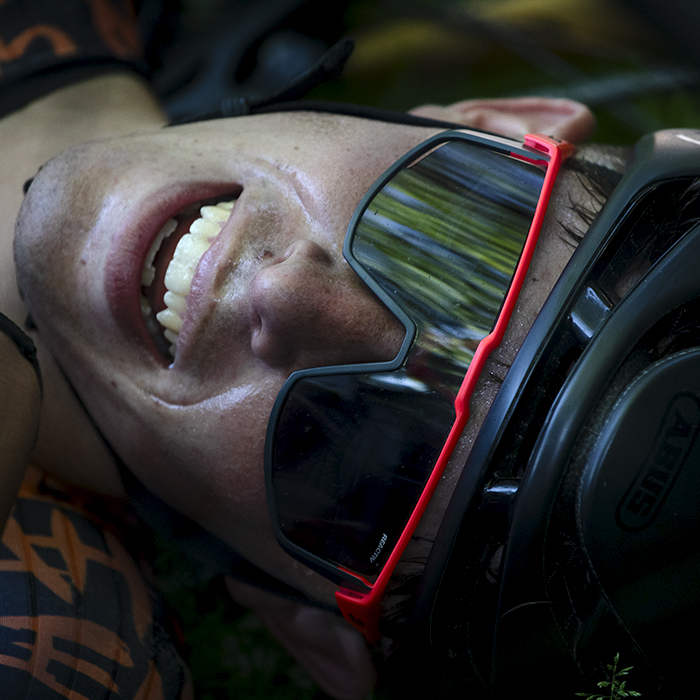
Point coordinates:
[[310, 309]]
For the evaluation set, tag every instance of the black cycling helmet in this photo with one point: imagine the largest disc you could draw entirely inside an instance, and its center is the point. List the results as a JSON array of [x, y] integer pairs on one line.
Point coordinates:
[[574, 532]]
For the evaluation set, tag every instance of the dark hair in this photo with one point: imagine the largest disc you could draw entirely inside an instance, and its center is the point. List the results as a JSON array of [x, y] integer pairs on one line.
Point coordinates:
[[598, 181]]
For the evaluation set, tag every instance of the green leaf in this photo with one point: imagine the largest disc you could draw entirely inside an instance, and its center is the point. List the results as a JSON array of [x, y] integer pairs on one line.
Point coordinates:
[[616, 684]]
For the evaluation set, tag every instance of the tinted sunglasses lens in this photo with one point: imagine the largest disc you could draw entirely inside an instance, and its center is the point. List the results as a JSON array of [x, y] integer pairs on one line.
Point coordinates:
[[353, 449], [443, 238], [352, 455]]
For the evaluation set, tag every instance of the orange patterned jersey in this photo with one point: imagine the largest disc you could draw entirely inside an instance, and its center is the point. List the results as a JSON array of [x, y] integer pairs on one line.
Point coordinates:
[[76, 617]]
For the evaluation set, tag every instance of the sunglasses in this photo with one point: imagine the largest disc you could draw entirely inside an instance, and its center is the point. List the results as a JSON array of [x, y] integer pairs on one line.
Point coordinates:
[[355, 452]]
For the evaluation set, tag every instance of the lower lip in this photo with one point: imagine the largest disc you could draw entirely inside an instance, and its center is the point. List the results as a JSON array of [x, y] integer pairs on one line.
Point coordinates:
[[128, 250]]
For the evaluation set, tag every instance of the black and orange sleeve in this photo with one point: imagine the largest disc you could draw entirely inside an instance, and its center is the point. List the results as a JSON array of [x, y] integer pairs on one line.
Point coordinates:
[[45, 45], [77, 619]]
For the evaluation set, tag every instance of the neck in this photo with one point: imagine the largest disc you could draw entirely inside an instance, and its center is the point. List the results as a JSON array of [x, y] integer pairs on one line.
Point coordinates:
[[105, 106]]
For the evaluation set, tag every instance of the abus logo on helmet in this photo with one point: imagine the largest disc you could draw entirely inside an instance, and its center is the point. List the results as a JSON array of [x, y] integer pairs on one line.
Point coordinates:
[[669, 452], [378, 550]]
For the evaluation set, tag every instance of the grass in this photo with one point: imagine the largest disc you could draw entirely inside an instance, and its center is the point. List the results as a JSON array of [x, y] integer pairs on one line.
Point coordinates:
[[616, 687]]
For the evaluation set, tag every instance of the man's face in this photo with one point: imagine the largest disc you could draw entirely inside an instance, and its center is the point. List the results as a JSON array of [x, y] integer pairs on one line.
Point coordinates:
[[271, 294]]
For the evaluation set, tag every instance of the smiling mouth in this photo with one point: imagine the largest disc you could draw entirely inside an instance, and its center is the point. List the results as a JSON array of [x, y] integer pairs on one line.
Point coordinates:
[[167, 274]]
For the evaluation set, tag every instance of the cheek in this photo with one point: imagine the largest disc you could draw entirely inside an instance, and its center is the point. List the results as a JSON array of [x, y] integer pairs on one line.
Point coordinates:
[[205, 459]]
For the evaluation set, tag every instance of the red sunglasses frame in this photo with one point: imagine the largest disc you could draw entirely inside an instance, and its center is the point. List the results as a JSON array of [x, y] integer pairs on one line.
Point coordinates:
[[363, 609]]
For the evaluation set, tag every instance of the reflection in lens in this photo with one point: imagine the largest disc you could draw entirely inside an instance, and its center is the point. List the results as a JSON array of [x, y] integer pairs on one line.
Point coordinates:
[[443, 238]]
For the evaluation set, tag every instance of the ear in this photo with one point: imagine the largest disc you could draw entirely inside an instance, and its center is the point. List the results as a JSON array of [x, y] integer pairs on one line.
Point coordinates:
[[515, 117], [332, 652]]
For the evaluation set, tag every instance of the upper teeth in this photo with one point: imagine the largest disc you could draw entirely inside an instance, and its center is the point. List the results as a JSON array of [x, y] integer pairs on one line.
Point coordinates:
[[180, 271]]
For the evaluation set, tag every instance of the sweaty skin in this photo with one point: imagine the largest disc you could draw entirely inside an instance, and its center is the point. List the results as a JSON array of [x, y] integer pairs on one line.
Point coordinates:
[[271, 295]]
